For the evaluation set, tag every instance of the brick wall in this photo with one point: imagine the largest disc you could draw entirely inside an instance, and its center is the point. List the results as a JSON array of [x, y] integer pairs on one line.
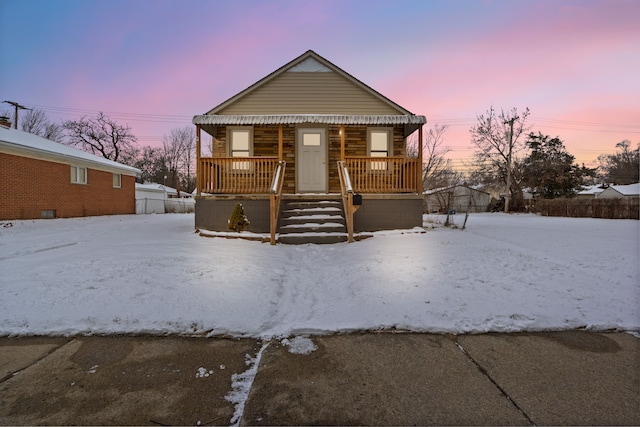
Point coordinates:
[[28, 186]]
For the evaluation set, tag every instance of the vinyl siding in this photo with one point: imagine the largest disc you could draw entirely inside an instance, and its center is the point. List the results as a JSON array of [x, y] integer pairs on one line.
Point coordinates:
[[309, 93]]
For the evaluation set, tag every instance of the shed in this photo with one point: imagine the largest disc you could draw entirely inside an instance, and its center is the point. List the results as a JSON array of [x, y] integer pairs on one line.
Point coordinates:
[[459, 198], [40, 178]]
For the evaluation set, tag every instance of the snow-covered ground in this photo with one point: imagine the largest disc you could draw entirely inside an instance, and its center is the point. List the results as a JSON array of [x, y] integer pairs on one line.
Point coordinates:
[[153, 274]]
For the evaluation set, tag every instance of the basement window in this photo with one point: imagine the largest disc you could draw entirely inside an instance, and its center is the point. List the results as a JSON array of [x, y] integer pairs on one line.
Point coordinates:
[[78, 175]]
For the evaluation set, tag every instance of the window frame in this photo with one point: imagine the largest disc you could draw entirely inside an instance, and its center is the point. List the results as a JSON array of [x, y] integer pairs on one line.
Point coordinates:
[[382, 165], [76, 175], [240, 165], [119, 183]]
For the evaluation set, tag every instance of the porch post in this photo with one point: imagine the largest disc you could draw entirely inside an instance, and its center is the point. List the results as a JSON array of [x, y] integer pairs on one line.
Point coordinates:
[[342, 142], [280, 142], [198, 171], [419, 186]]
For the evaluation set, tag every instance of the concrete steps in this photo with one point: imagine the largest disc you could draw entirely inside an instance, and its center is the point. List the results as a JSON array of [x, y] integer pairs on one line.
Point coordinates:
[[312, 221]]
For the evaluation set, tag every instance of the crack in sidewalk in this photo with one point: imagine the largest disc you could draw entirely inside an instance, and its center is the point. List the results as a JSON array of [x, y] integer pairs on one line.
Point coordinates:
[[494, 382]]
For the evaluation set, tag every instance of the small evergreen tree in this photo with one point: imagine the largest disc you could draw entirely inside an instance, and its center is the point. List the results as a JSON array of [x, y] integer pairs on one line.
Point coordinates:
[[238, 220]]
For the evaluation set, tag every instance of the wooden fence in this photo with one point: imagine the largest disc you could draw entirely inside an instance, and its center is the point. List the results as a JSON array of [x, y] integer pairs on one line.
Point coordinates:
[[622, 208]]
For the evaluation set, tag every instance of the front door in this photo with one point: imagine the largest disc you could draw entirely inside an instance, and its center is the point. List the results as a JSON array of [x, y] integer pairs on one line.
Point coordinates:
[[312, 160]]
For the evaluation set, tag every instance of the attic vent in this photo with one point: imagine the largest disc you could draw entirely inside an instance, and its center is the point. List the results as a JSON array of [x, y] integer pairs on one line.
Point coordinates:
[[309, 65], [48, 213]]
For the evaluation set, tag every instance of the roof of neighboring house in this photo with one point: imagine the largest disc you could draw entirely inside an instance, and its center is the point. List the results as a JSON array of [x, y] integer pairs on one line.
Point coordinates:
[[17, 142], [591, 190], [627, 190], [151, 186]]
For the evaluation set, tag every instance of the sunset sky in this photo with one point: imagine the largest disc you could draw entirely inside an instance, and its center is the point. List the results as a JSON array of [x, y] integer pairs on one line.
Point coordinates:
[[154, 64]]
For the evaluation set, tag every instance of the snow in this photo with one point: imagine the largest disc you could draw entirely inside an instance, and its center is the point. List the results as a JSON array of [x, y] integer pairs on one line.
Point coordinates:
[[155, 274], [300, 345], [15, 138], [241, 385]]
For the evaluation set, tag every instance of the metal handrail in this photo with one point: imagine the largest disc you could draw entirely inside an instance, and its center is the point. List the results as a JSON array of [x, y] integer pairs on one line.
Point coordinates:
[[275, 194], [346, 190]]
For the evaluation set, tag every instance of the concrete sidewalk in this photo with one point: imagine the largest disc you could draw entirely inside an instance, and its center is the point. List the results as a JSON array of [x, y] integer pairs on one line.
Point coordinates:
[[570, 378]]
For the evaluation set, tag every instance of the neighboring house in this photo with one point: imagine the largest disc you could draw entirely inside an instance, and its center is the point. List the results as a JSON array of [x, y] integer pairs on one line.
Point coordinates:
[[620, 191], [158, 198], [459, 198], [312, 115], [40, 178], [590, 192]]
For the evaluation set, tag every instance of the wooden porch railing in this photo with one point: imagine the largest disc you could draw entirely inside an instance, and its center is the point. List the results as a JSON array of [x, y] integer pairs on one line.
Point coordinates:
[[275, 195], [346, 189], [383, 174], [236, 175]]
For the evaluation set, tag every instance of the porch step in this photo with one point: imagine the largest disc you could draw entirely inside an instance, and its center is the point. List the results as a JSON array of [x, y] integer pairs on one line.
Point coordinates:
[[312, 221]]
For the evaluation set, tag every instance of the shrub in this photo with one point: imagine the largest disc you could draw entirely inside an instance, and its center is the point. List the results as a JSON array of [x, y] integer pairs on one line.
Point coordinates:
[[238, 220]]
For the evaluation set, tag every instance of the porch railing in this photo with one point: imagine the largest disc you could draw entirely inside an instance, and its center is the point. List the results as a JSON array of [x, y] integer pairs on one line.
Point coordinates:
[[383, 174], [346, 189], [275, 195], [236, 175]]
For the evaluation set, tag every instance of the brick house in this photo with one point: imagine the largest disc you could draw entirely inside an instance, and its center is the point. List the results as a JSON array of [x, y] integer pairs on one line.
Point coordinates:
[[40, 178], [303, 149]]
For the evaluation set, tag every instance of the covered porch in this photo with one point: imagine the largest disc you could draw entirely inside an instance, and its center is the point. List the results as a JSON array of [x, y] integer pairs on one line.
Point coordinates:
[[301, 155]]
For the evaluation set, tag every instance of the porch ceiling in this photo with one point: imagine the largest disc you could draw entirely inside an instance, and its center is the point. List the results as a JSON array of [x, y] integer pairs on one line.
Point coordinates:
[[410, 122]]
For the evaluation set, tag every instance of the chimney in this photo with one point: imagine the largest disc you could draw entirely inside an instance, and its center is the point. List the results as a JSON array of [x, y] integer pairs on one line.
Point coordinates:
[[4, 121]]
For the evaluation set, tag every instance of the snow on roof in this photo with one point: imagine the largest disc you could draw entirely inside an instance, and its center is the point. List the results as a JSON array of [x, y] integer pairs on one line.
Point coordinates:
[[627, 190], [437, 190], [28, 142], [337, 119], [591, 189], [152, 186]]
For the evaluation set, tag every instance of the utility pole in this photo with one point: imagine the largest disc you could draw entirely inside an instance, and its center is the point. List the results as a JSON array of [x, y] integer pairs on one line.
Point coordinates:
[[17, 107], [507, 196]]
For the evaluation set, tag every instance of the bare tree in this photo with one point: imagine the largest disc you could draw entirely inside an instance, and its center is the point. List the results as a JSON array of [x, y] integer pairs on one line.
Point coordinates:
[[178, 151], [622, 167], [437, 170], [36, 122], [102, 136], [497, 137]]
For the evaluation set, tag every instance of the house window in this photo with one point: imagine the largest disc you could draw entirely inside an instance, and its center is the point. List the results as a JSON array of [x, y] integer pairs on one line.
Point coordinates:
[[379, 144], [117, 180], [240, 145], [78, 175]]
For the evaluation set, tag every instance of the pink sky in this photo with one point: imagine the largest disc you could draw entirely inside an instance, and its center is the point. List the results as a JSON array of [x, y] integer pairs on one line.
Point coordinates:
[[155, 64]]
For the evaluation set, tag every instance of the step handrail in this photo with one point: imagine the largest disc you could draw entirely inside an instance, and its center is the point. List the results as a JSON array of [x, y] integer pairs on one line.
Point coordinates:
[[346, 190], [275, 194]]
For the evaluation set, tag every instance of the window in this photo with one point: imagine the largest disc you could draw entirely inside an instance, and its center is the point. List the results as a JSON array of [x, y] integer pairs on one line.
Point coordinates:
[[78, 175], [379, 141], [117, 180], [240, 145]]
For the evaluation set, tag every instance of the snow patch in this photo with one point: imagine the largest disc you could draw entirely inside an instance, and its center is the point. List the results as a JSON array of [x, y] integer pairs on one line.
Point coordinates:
[[300, 345], [241, 386]]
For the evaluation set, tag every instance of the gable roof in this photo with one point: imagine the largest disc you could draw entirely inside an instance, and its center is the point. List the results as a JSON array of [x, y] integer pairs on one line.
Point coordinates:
[[626, 190], [309, 61], [386, 112], [17, 142]]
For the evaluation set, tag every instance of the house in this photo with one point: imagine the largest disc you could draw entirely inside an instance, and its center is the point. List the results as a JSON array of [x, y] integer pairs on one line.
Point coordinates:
[[40, 178], [590, 192], [158, 198], [459, 198], [620, 191], [315, 141]]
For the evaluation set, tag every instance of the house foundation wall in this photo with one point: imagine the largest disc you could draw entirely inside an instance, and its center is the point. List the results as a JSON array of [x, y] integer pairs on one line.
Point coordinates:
[[388, 212], [213, 212]]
